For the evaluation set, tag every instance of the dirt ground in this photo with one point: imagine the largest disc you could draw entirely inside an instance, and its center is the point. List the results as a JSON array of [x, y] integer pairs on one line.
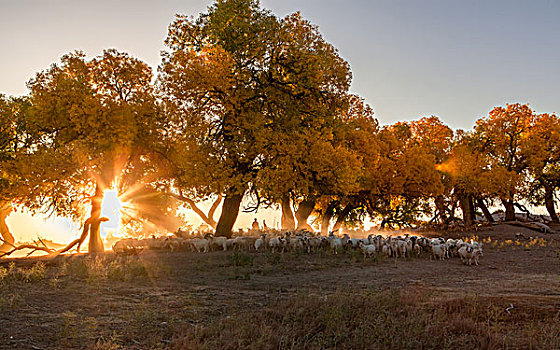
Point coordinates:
[[81, 302]]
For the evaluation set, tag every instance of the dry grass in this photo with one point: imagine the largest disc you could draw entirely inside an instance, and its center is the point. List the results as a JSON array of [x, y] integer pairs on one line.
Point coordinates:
[[384, 320], [242, 300]]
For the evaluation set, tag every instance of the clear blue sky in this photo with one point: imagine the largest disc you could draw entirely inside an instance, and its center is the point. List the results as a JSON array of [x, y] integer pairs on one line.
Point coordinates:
[[452, 58]]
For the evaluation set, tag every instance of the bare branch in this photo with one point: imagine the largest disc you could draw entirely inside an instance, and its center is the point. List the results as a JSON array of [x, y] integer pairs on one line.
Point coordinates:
[[24, 246], [213, 209]]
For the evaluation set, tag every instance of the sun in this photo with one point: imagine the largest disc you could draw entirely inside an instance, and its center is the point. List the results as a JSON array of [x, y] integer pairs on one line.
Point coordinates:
[[111, 208]]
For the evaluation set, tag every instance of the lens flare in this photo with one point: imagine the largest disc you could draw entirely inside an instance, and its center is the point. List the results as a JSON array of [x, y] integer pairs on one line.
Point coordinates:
[[111, 209]]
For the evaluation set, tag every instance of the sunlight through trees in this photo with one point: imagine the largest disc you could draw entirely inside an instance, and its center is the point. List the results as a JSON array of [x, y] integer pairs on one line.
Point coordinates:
[[252, 111]]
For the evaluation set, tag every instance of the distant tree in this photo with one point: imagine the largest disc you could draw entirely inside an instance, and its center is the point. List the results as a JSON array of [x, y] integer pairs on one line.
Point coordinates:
[[17, 185], [469, 176], [435, 138], [400, 174], [541, 148]]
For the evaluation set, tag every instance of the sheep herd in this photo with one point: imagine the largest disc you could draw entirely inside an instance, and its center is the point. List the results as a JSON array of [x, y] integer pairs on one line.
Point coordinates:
[[396, 247]]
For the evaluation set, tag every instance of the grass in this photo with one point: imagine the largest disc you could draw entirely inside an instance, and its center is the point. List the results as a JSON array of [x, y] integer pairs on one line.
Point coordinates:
[[526, 244], [13, 274], [242, 300], [377, 320], [110, 268]]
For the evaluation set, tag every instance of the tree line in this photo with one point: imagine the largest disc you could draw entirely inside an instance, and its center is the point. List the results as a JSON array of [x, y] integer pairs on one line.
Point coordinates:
[[249, 106]]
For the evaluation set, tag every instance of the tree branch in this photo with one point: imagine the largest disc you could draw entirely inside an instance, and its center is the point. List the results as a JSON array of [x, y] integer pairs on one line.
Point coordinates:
[[213, 209], [25, 246], [206, 218]]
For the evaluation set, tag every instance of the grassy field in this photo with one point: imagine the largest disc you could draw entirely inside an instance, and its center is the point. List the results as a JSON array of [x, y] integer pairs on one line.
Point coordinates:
[[247, 300]]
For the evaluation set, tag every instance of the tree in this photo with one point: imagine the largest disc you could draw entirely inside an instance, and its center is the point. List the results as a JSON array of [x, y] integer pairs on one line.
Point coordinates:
[[238, 81], [89, 120], [435, 138], [541, 148], [315, 168], [469, 176], [358, 133], [400, 173], [501, 135], [8, 147]]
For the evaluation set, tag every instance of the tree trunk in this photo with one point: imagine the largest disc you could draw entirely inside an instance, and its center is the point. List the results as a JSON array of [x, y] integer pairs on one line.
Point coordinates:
[[453, 207], [343, 215], [465, 203], [7, 237], [208, 219], [327, 216], [288, 221], [472, 207], [484, 208], [95, 242], [212, 210], [510, 209], [230, 210], [440, 207], [549, 202], [302, 214]]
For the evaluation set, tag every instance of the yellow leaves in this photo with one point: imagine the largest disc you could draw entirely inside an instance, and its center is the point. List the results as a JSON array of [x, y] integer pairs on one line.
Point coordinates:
[[516, 144], [395, 202], [89, 115], [450, 167]]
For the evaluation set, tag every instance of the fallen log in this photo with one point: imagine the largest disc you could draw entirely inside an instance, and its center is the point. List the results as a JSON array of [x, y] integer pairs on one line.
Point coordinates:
[[536, 226], [33, 247]]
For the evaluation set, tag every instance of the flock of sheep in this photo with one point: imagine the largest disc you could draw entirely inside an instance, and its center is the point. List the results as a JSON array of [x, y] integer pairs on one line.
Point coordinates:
[[397, 247]]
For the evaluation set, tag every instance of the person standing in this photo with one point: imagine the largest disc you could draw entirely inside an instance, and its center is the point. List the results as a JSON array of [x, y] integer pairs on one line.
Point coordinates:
[[255, 226]]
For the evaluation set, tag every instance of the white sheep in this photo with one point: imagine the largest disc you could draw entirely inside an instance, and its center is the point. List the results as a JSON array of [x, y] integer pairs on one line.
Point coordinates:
[[400, 248], [172, 243], [244, 243], [200, 244], [368, 249], [417, 249], [274, 244], [386, 249], [439, 251], [354, 242], [260, 242], [218, 242], [229, 244], [295, 243], [469, 254], [335, 244], [129, 245]]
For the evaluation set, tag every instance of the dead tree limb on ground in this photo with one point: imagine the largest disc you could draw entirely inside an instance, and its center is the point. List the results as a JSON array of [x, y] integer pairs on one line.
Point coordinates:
[[33, 247]]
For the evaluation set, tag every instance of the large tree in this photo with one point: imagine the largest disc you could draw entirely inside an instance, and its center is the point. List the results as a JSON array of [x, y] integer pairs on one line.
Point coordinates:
[[8, 147], [237, 80], [89, 119], [501, 135]]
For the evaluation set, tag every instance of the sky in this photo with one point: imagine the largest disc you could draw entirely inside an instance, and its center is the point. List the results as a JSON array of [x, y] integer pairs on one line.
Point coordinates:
[[455, 59]]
